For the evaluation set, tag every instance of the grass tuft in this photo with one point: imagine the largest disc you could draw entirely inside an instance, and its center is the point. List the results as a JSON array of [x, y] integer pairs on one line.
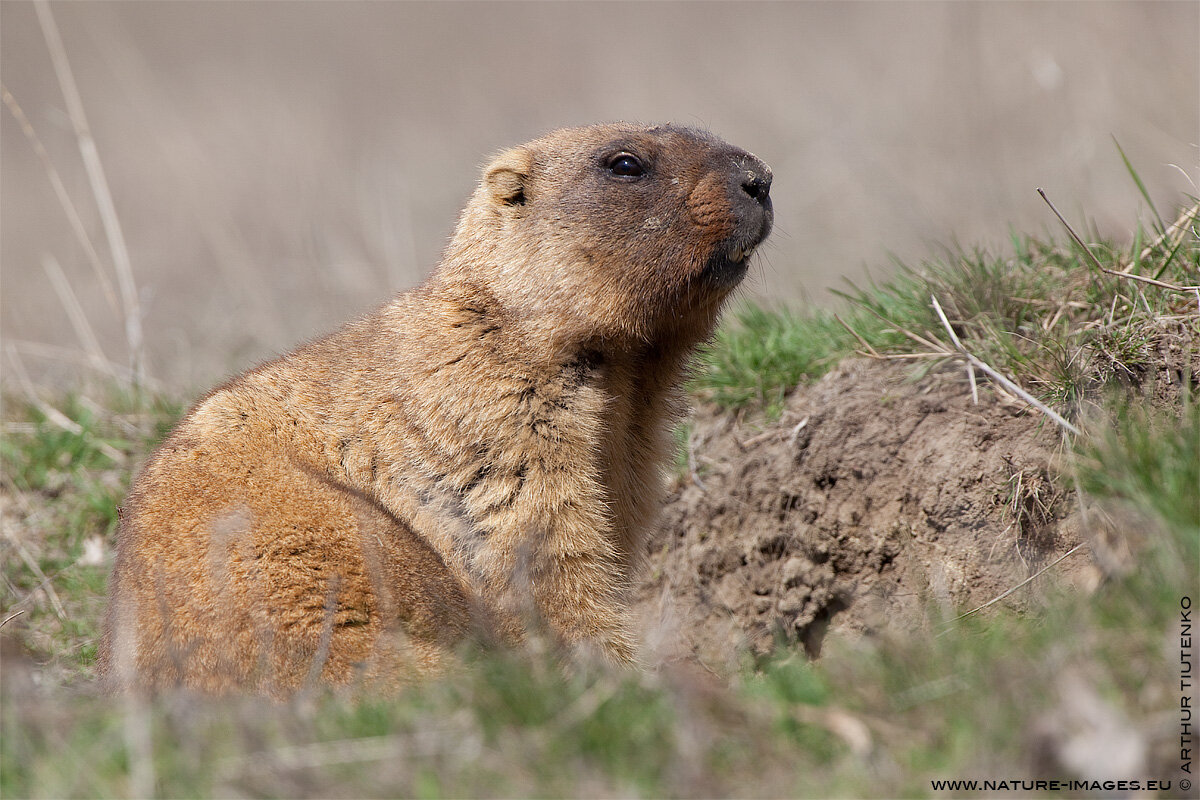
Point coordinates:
[[762, 355], [64, 472], [1039, 314], [1149, 463]]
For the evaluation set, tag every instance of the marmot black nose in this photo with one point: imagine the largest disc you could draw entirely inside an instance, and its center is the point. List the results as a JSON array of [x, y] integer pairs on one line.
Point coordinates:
[[757, 184]]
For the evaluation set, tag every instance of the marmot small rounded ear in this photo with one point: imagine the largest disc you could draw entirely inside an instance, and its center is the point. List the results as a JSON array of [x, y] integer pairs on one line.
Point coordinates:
[[507, 175]]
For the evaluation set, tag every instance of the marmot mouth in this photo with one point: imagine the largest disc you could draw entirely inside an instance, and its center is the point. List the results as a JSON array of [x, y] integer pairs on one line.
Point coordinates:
[[728, 265], [737, 254]]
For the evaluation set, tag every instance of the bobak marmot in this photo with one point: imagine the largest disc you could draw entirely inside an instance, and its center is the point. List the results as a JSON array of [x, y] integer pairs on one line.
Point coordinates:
[[484, 451]]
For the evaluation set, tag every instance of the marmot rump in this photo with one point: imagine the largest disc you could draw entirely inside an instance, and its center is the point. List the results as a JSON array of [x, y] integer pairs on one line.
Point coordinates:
[[484, 452]]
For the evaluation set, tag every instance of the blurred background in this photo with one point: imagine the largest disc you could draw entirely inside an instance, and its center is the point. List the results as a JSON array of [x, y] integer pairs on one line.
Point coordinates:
[[278, 167]]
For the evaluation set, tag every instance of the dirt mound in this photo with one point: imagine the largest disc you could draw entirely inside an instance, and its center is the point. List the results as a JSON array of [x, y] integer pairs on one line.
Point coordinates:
[[874, 495]]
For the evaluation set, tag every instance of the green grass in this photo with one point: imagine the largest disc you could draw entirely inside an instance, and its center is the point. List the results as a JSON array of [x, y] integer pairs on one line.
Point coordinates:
[[65, 472], [1150, 463], [763, 354], [1040, 314]]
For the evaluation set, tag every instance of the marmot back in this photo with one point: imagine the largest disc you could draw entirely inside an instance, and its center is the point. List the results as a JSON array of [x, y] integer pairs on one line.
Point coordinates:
[[484, 453]]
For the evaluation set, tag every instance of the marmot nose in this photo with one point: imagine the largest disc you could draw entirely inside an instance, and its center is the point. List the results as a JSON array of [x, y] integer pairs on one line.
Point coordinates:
[[757, 184], [753, 179]]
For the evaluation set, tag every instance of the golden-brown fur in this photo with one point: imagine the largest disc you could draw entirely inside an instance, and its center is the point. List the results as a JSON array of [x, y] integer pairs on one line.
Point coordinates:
[[484, 451]]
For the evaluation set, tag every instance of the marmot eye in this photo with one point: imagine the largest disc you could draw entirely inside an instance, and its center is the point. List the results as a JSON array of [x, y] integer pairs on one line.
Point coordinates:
[[626, 165]]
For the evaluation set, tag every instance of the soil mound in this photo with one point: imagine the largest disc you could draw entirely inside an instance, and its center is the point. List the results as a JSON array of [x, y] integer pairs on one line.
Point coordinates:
[[875, 497]]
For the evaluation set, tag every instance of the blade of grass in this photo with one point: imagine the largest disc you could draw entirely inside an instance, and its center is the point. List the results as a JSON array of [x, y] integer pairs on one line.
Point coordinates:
[[1170, 258], [1137, 179], [1135, 259]]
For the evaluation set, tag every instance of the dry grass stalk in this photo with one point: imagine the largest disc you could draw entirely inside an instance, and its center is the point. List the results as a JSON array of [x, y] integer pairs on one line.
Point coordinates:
[[1174, 232], [1020, 585], [1074, 236], [139, 744], [1187, 215], [75, 313], [64, 199], [70, 355], [1179, 227], [51, 413], [871, 351], [1152, 281], [44, 583], [99, 184], [11, 617], [939, 350], [1000, 378]]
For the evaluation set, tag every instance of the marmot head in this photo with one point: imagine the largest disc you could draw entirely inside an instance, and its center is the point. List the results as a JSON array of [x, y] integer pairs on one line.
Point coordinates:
[[615, 231]]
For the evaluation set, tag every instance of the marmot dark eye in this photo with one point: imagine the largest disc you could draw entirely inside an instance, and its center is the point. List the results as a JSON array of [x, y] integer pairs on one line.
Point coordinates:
[[626, 166]]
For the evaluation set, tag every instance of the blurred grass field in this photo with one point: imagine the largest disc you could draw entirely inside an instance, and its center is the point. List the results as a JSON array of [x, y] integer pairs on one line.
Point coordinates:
[[280, 167]]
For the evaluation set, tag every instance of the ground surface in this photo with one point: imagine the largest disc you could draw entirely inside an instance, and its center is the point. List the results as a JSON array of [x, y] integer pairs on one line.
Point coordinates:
[[882, 497], [873, 495]]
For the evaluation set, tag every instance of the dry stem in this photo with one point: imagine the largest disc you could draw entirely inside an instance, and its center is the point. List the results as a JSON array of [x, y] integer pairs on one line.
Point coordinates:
[[64, 199], [104, 200], [1025, 582], [997, 376]]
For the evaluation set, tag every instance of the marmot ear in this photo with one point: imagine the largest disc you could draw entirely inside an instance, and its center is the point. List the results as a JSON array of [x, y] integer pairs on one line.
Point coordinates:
[[507, 175]]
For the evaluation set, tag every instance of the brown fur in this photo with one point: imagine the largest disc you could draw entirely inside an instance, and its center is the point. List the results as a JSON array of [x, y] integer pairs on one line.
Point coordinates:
[[485, 450]]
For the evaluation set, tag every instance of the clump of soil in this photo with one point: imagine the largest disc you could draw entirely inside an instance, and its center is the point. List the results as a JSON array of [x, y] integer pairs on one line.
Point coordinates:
[[875, 498]]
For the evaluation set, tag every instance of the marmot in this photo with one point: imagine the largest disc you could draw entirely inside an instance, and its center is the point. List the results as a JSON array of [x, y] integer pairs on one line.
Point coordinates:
[[485, 450]]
